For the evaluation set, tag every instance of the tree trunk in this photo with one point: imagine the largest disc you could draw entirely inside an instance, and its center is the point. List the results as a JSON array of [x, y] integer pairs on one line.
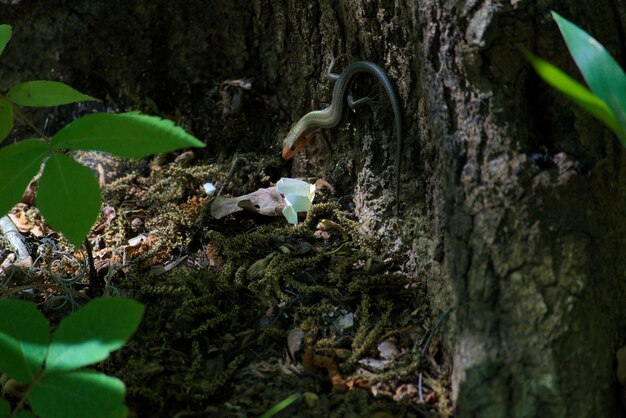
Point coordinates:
[[513, 201], [532, 212]]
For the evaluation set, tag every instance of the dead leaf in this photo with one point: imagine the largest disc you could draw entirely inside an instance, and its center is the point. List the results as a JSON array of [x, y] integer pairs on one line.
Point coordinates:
[[24, 225], [322, 185], [295, 342], [109, 214], [313, 362]]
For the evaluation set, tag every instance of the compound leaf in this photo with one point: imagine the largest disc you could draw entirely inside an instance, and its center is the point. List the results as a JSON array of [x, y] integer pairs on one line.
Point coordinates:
[[601, 72], [41, 93], [574, 90], [130, 135], [78, 394], [6, 118], [24, 338], [18, 165], [5, 36], [91, 333], [69, 197]]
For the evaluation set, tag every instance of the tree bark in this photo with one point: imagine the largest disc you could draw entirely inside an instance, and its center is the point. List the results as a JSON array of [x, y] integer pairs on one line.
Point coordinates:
[[531, 211], [513, 200]]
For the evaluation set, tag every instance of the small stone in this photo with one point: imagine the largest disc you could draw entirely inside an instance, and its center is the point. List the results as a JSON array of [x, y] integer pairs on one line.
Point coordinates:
[[388, 350], [136, 224], [345, 321]]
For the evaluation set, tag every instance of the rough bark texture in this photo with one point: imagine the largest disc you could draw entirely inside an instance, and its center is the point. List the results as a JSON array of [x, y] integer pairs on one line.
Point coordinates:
[[533, 215], [513, 200]]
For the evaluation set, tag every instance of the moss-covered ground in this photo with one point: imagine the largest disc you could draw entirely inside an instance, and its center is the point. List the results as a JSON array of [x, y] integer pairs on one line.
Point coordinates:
[[244, 311]]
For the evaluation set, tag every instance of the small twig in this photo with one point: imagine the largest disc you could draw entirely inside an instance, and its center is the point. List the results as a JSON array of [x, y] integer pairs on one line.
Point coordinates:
[[230, 173], [421, 388]]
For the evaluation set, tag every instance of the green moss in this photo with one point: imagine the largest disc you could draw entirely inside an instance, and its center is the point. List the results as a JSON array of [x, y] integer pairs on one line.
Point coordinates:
[[203, 325]]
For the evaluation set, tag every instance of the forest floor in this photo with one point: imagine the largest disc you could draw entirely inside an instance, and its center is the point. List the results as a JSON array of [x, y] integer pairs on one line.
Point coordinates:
[[243, 311]]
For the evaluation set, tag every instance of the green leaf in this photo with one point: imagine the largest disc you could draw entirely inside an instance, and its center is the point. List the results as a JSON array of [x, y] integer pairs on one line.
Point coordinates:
[[24, 337], [5, 409], [69, 197], [130, 135], [6, 118], [5, 36], [90, 334], [45, 93], [281, 405], [18, 165], [24, 414], [574, 90], [78, 394], [602, 73]]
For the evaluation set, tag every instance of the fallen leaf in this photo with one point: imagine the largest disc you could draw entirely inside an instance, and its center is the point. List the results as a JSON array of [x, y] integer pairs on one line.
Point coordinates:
[[24, 225], [109, 214], [322, 185]]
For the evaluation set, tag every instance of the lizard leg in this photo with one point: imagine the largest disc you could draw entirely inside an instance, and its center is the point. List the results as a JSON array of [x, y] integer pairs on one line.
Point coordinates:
[[357, 103], [333, 60]]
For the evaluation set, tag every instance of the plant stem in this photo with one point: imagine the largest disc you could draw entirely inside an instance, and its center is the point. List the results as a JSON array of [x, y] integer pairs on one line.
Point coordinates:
[[20, 404], [26, 120], [30, 123], [94, 283]]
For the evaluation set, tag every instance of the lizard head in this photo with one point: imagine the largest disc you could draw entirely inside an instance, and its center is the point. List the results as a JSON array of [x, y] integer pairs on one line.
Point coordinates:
[[295, 140]]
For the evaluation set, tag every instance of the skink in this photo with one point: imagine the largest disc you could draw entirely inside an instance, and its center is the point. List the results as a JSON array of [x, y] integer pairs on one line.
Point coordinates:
[[305, 129]]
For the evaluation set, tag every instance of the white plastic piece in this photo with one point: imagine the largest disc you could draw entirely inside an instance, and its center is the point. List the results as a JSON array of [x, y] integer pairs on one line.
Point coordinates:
[[209, 188], [298, 196]]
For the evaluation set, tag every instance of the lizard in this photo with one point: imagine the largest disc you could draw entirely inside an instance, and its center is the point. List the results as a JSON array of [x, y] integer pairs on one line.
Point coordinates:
[[307, 127]]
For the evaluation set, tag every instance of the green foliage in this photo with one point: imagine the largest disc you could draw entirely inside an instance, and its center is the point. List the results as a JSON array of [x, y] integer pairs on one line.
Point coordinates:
[[57, 389], [6, 118], [130, 135], [574, 90], [606, 100], [5, 36], [24, 337], [601, 72], [87, 336], [68, 194], [43, 93], [18, 164], [79, 394], [5, 408], [281, 405], [68, 197]]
